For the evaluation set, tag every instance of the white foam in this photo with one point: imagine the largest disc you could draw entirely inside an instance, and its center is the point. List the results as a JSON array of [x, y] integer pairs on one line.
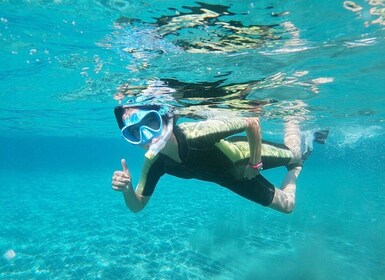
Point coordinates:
[[352, 135], [307, 138]]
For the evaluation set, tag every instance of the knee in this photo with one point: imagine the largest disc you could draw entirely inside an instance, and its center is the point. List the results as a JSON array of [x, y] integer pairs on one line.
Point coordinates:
[[288, 208], [283, 202], [284, 208], [289, 204]]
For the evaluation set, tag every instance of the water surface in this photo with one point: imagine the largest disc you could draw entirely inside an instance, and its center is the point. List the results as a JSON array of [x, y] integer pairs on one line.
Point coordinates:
[[66, 64]]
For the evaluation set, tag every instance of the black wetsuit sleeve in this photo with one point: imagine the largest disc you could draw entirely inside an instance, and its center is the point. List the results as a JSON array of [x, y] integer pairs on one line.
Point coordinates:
[[151, 173]]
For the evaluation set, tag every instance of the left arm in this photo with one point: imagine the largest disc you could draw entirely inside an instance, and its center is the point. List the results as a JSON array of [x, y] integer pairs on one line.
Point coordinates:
[[253, 131], [254, 137]]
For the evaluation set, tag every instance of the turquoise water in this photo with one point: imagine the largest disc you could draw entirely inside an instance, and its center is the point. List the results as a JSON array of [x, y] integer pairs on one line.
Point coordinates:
[[62, 64]]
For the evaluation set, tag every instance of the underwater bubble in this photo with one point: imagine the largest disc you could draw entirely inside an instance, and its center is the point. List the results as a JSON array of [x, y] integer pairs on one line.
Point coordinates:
[[9, 255]]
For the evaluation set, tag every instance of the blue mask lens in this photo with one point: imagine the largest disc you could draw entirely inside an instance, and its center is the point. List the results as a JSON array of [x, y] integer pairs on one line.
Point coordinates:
[[142, 126]]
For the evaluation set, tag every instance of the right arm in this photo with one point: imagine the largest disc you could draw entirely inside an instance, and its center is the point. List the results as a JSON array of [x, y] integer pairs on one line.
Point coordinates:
[[121, 181], [134, 201]]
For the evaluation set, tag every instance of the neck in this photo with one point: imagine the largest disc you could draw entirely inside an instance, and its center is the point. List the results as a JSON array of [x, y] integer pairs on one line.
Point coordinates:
[[171, 149]]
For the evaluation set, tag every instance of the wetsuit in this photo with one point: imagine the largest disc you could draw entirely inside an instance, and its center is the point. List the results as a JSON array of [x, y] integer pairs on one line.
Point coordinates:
[[209, 153]]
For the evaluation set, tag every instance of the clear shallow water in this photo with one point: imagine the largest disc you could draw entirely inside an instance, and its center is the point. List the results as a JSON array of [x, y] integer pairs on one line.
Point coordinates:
[[62, 65]]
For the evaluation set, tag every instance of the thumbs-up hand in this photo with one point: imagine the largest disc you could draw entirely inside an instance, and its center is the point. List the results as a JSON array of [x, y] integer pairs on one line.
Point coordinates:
[[121, 180]]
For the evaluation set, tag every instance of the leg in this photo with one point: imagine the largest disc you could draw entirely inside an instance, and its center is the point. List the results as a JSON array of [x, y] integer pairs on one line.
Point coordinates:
[[284, 198], [292, 140], [257, 189]]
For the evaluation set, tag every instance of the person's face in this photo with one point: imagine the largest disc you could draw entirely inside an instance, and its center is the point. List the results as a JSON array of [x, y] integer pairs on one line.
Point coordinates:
[[147, 124]]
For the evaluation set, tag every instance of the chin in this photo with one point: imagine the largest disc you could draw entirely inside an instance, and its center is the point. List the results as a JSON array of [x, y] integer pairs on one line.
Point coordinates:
[[146, 146]]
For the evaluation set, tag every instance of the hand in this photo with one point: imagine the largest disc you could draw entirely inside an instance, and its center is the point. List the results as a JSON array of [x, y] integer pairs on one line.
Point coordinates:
[[121, 180], [250, 172]]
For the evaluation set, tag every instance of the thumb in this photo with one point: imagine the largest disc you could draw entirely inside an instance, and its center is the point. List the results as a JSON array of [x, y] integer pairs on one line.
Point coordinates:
[[124, 166]]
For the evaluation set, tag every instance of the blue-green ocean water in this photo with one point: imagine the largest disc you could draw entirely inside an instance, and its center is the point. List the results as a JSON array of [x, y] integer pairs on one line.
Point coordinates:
[[62, 63]]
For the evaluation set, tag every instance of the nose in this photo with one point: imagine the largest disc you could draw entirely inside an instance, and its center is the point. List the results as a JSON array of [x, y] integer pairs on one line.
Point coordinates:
[[146, 133]]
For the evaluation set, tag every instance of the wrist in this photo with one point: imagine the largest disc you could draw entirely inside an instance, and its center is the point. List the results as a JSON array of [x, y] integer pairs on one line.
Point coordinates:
[[258, 166], [128, 188]]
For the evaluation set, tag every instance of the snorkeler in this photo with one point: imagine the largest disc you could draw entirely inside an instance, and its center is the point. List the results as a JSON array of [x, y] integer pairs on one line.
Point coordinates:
[[210, 151]]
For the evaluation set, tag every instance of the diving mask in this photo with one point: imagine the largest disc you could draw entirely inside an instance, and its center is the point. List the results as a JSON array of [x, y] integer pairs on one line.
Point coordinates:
[[142, 126]]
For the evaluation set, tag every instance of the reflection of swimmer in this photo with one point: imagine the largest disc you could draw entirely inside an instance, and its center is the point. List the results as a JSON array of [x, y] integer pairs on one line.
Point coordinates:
[[205, 24], [212, 94], [209, 151]]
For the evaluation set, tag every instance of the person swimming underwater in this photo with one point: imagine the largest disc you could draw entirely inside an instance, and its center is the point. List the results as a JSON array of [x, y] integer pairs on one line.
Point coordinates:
[[209, 150]]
